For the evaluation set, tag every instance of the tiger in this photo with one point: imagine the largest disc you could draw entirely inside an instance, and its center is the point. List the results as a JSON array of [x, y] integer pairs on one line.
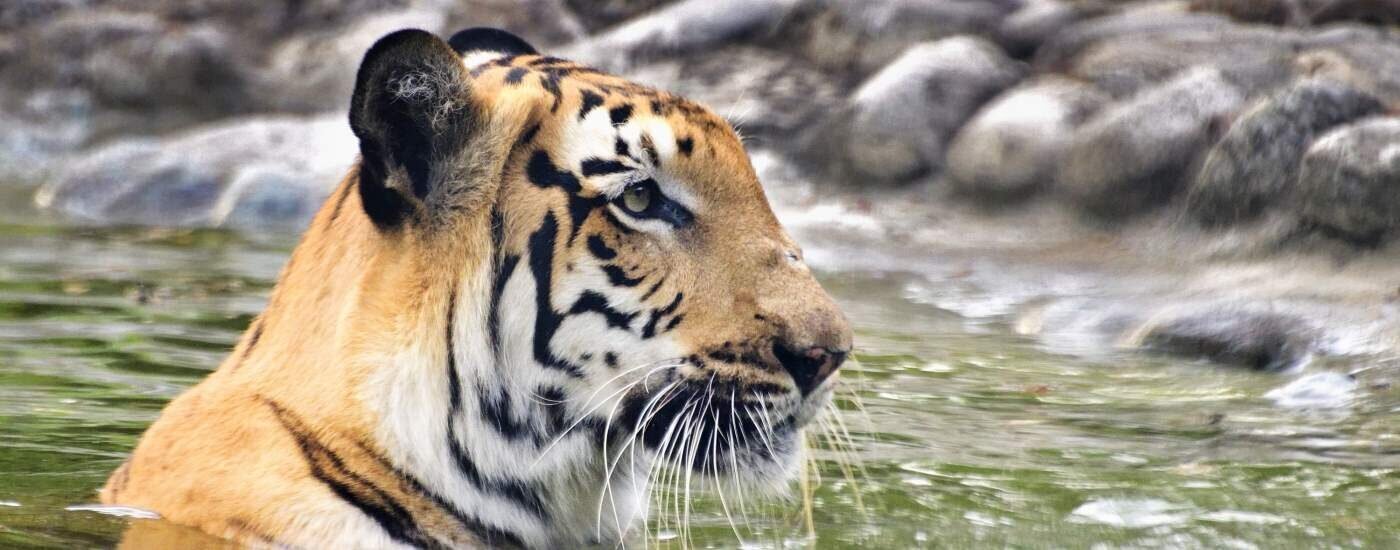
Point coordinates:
[[537, 285]]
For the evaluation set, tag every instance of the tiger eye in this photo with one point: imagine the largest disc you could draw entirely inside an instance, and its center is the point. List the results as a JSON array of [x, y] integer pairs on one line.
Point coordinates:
[[637, 198]]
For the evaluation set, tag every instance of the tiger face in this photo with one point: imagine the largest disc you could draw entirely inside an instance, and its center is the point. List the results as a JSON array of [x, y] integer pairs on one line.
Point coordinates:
[[539, 286], [642, 298]]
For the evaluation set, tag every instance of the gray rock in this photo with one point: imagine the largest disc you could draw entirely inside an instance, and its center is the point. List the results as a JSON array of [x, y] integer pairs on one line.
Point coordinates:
[[129, 59], [1055, 55], [680, 28], [766, 95], [1134, 154], [254, 172], [1255, 339], [862, 37], [1350, 180], [1255, 164], [1012, 145], [1022, 32], [599, 14], [1319, 390], [901, 119], [316, 71], [1364, 56]]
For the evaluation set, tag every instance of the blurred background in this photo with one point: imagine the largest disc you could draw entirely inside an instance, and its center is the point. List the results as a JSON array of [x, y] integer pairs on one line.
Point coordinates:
[[1124, 273]]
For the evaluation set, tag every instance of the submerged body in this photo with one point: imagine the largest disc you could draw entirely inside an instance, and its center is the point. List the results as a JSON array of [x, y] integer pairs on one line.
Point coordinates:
[[539, 284]]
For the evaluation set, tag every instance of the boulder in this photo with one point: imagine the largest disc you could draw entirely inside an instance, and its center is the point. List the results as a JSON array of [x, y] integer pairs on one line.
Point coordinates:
[[1055, 55], [1011, 146], [900, 120], [316, 71], [766, 95], [681, 28], [131, 60], [1240, 336], [257, 172], [1134, 154], [1024, 30], [1349, 182], [862, 37], [1255, 164]]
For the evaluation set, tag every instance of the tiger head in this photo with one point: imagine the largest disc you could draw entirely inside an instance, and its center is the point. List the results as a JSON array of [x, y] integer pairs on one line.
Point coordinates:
[[600, 268]]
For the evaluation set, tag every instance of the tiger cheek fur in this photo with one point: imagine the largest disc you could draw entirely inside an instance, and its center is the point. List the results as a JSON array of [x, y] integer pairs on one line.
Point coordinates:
[[539, 284]]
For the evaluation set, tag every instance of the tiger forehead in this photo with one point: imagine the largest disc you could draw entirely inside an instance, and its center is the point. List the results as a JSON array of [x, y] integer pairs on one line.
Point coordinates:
[[561, 78]]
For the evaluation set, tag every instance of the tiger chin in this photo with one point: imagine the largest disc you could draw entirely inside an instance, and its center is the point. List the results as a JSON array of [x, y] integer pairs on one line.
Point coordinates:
[[538, 286]]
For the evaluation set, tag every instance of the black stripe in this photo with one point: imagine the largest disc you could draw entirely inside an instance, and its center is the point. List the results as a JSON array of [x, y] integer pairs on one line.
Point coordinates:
[[544, 174], [656, 314], [498, 287], [593, 302], [618, 277], [328, 468], [620, 114], [526, 495], [686, 146], [654, 288], [252, 342], [550, 83], [589, 101], [547, 320], [600, 249], [516, 75], [601, 167]]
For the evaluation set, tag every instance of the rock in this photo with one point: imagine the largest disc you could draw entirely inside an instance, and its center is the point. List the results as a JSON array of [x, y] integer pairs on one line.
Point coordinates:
[[127, 59], [862, 37], [1364, 56], [766, 95], [316, 71], [1319, 390], [1012, 145], [1303, 12], [900, 120], [1022, 32], [1134, 154], [1349, 182], [599, 14], [1256, 339], [1255, 164], [254, 172], [1055, 55], [680, 28]]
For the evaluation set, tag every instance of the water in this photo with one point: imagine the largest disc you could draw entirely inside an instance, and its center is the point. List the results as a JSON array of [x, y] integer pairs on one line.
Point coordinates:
[[973, 431]]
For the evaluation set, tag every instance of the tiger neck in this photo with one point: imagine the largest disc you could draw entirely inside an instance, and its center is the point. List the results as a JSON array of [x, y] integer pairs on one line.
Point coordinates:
[[484, 428]]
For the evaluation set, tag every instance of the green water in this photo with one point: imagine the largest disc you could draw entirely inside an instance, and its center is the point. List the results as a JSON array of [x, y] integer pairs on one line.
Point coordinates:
[[971, 434]]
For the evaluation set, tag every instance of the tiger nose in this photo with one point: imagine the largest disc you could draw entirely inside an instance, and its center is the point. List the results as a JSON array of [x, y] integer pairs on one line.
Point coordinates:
[[811, 366]]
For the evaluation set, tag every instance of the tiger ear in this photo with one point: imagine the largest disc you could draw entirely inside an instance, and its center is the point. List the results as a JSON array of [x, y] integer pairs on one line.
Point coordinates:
[[413, 113], [487, 39]]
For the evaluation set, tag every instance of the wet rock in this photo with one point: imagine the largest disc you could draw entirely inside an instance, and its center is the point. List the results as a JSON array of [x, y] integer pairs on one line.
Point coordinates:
[[254, 172], [1319, 390], [1255, 164], [1012, 145], [1255, 339], [766, 95], [1064, 46], [129, 59], [316, 71], [680, 28], [1303, 12], [900, 120], [862, 37], [599, 14], [1022, 32], [1134, 154], [1364, 56], [1350, 180]]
